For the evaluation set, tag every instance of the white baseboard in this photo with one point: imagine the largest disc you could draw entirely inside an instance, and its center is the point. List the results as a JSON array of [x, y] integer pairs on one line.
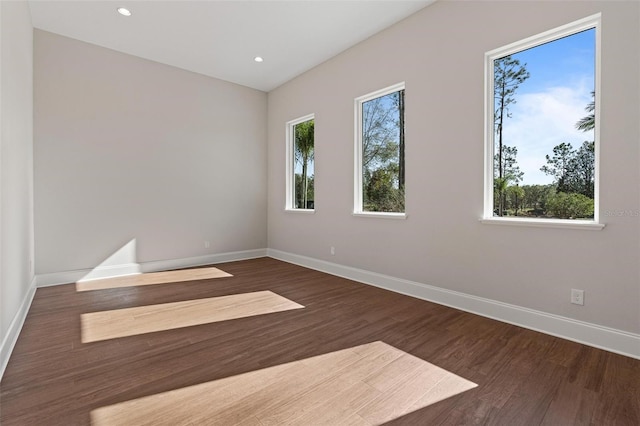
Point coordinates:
[[598, 336], [11, 337], [112, 271], [164, 265], [66, 277]]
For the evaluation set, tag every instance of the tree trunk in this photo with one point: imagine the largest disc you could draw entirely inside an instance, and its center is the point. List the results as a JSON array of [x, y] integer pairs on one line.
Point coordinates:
[[304, 182], [401, 154], [500, 120]]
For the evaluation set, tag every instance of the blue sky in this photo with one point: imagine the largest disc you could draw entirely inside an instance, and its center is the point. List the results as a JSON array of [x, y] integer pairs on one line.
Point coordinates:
[[551, 101]]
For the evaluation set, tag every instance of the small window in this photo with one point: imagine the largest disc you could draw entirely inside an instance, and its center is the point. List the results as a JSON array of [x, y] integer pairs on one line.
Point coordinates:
[[300, 164], [379, 153], [542, 127]]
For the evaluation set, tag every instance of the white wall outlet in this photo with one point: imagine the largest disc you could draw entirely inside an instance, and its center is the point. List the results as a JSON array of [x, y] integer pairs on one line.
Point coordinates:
[[577, 296], [207, 244], [333, 251]]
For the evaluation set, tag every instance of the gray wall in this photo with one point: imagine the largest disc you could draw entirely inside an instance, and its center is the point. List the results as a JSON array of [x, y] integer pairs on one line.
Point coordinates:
[[439, 53], [126, 148], [16, 161]]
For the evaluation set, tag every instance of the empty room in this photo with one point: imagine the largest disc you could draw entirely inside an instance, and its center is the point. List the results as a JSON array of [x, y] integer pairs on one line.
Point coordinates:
[[319, 212]]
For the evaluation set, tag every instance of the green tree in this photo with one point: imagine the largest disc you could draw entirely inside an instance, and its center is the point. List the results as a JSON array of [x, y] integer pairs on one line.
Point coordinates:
[[510, 173], [509, 74], [380, 131], [304, 154], [300, 191], [536, 196], [583, 169], [570, 206], [531, 196], [383, 153], [401, 173], [573, 171], [500, 185], [588, 122], [515, 196], [380, 193], [508, 164], [560, 166], [585, 156]]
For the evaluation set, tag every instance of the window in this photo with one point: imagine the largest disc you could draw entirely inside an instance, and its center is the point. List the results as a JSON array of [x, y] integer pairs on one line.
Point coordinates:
[[300, 164], [542, 114], [379, 153]]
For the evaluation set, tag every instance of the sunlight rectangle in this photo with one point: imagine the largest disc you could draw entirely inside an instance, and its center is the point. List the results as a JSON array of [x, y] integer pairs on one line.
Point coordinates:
[[105, 325], [369, 385], [152, 279]]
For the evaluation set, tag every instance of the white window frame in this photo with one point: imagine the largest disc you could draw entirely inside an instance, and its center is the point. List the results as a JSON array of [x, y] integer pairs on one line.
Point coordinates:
[[590, 22], [357, 180], [290, 164]]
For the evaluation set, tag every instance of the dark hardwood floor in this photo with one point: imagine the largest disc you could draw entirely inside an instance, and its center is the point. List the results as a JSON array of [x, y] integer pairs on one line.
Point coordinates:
[[523, 377]]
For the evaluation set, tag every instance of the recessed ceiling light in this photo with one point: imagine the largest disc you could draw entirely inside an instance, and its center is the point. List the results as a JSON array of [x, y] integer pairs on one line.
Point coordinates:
[[124, 11], [258, 59]]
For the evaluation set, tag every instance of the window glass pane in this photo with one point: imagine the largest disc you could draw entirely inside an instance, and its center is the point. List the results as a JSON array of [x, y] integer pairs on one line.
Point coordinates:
[[383, 153], [303, 152], [544, 130]]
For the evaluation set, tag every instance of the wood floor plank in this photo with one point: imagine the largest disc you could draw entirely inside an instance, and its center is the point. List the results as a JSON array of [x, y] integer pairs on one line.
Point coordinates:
[[342, 407], [424, 386], [368, 359], [352, 420], [306, 401], [619, 396], [450, 385], [180, 405], [279, 392], [395, 373], [152, 278], [116, 323], [264, 365], [531, 400], [572, 405]]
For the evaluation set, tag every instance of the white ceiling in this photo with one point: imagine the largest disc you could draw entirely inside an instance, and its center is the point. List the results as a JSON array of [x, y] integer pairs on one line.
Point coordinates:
[[220, 38]]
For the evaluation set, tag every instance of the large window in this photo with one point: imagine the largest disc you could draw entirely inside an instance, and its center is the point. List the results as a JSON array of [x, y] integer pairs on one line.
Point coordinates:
[[379, 154], [542, 127], [300, 164]]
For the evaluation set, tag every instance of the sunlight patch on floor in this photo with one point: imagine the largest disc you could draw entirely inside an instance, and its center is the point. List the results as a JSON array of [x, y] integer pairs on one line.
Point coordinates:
[[116, 323], [151, 279], [365, 385]]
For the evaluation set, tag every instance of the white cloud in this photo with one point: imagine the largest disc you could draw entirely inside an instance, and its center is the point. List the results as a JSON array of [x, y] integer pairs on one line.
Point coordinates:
[[541, 120]]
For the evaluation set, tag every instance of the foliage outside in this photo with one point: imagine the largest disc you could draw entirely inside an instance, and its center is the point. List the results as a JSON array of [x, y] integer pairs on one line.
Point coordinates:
[[383, 180], [303, 147], [571, 195]]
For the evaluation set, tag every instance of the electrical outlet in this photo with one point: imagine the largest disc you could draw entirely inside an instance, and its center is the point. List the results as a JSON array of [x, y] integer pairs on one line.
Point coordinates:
[[207, 244], [333, 251], [577, 296]]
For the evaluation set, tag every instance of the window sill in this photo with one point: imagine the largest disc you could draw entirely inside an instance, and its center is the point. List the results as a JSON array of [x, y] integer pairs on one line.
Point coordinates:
[[380, 215], [588, 225], [304, 211]]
